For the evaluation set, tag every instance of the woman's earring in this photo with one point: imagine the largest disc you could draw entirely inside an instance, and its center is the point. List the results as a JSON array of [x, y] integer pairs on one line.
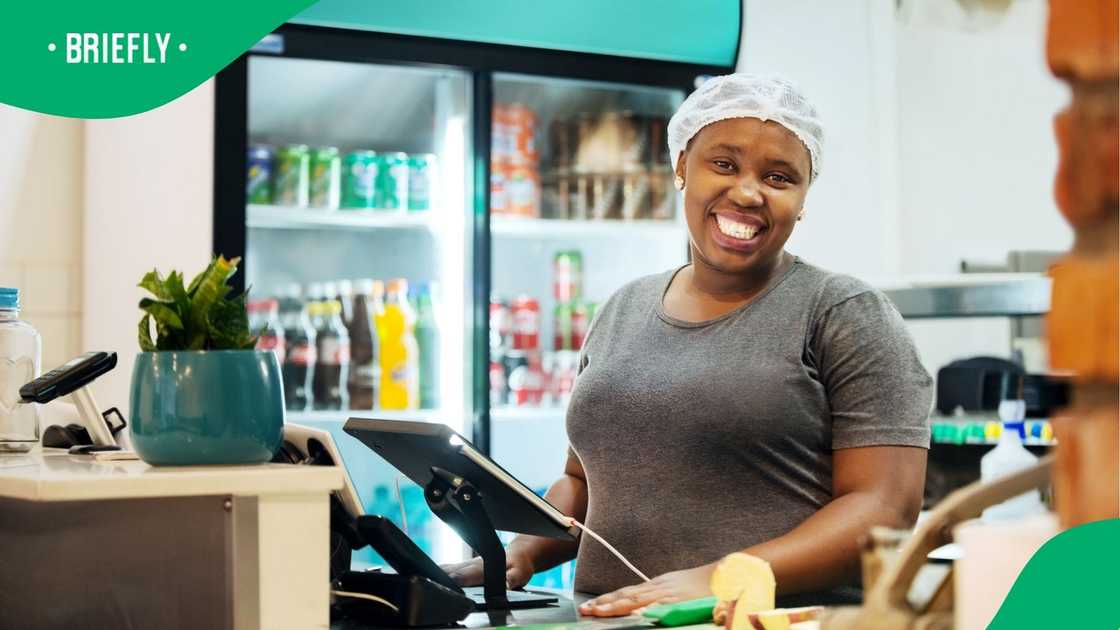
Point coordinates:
[[679, 182], [800, 215]]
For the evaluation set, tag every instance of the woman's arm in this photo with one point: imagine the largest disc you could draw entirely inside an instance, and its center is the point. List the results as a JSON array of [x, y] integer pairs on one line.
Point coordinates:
[[527, 555], [876, 485], [569, 495]]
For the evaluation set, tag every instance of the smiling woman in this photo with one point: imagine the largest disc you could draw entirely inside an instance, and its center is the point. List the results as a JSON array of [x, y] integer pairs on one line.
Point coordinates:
[[748, 401]]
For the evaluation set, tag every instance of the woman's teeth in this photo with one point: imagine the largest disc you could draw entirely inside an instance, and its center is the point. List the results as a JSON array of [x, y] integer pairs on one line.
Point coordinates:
[[734, 229]]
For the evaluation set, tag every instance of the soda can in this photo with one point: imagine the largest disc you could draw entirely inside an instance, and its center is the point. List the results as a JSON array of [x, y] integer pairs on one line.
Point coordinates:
[[359, 179], [326, 178], [392, 182], [499, 390], [516, 369], [567, 275], [562, 326], [579, 324], [290, 184], [563, 378], [548, 369], [501, 325], [499, 188], [526, 323], [258, 185], [421, 181], [592, 308], [524, 191], [501, 138], [521, 134]]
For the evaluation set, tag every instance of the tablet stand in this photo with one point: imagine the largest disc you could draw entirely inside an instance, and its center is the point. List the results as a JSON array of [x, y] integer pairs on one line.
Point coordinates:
[[457, 502]]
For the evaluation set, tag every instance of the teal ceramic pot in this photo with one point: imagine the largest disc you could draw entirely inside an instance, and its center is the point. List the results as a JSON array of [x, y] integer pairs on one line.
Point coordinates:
[[207, 407]]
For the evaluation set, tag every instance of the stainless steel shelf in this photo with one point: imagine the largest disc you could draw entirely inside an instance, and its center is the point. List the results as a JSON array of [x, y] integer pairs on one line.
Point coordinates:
[[285, 218], [1006, 295]]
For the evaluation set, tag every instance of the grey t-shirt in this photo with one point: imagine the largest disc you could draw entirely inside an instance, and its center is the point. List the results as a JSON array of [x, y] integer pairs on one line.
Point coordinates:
[[701, 439]]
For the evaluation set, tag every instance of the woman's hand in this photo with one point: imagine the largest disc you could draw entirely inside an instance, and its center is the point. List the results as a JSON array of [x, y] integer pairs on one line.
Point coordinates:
[[519, 570], [677, 586]]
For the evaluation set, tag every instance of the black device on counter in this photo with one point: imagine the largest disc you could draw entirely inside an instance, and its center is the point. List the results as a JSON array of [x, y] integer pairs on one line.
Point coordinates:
[[72, 378], [976, 384], [75, 373], [408, 559], [469, 492], [416, 602]]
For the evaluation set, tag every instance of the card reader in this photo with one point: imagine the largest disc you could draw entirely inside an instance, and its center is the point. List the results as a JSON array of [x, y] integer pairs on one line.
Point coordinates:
[[72, 378]]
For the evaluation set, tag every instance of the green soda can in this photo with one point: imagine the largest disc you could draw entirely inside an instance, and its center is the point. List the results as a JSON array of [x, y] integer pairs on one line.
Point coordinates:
[[326, 172], [392, 177], [290, 185], [258, 185], [359, 179], [562, 327], [421, 180]]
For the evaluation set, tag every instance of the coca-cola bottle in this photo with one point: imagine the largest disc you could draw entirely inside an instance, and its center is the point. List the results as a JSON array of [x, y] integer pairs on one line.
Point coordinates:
[[265, 323], [365, 369], [299, 354], [333, 365]]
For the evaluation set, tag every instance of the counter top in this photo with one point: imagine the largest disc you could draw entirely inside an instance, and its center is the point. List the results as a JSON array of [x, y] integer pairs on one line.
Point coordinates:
[[562, 616], [50, 475]]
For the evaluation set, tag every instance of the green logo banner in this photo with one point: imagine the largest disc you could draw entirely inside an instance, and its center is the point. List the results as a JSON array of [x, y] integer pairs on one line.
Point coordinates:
[[1071, 582], [108, 59]]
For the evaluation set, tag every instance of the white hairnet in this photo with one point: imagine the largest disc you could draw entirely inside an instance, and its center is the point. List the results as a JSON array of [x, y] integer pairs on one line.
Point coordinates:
[[743, 95]]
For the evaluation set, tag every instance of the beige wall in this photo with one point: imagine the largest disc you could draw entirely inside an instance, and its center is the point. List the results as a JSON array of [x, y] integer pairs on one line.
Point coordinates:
[[41, 180]]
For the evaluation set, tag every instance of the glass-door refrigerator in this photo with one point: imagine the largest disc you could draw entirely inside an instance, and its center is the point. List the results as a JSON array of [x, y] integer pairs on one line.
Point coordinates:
[[581, 202], [479, 200], [355, 202]]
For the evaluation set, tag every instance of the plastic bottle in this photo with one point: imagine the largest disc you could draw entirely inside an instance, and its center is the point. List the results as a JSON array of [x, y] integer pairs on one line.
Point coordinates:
[[1010, 456], [399, 352], [427, 340], [264, 321], [299, 352], [333, 366], [345, 290], [20, 353], [365, 367]]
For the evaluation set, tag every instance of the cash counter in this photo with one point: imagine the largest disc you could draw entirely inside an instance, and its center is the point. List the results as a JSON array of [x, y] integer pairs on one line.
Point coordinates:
[[120, 544], [115, 544]]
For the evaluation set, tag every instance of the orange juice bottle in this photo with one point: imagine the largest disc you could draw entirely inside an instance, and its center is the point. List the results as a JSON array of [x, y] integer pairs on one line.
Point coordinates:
[[400, 356]]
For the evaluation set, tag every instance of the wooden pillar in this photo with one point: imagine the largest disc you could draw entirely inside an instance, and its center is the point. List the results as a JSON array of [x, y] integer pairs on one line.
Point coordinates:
[[1084, 323]]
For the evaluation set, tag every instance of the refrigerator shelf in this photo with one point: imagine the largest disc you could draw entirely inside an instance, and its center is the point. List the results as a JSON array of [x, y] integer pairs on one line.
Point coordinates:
[[522, 227], [421, 415], [286, 218]]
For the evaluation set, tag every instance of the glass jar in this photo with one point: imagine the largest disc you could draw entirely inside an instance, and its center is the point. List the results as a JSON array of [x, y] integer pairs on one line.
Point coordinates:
[[20, 351]]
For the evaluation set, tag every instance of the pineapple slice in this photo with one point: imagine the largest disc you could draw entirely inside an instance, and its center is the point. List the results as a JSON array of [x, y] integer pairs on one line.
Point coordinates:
[[749, 583], [738, 571]]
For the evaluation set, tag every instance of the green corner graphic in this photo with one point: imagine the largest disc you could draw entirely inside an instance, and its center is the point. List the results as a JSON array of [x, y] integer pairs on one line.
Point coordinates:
[[1071, 582], [109, 59]]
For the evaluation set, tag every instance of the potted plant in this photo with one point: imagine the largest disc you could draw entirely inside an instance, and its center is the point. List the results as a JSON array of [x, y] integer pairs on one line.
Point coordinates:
[[201, 393]]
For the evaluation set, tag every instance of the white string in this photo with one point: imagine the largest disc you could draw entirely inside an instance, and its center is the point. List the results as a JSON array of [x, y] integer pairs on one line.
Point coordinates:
[[609, 548], [372, 598], [400, 502]]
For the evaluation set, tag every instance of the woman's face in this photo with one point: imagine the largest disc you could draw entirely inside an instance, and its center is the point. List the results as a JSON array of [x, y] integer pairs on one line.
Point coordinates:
[[745, 184]]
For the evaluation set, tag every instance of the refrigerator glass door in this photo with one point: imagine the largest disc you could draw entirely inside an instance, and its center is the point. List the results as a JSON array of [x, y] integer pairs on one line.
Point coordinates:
[[358, 197], [582, 202]]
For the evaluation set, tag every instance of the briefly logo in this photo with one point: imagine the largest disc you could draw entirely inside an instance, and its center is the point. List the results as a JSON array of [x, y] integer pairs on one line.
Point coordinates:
[[117, 48]]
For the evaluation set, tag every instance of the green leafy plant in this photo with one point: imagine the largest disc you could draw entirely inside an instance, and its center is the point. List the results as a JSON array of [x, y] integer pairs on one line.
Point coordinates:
[[197, 316]]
